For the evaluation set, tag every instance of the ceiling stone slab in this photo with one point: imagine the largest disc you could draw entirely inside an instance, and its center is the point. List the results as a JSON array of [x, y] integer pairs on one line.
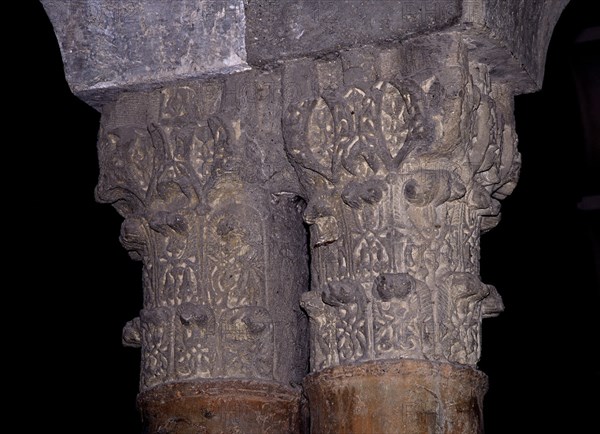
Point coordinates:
[[280, 29], [109, 45]]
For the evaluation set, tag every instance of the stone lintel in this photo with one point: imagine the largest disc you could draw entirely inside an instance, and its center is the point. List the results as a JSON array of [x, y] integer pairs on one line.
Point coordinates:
[[110, 46], [285, 29], [511, 36]]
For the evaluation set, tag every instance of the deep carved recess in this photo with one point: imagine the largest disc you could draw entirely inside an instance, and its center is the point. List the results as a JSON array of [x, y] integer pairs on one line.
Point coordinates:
[[402, 175], [209, 240]]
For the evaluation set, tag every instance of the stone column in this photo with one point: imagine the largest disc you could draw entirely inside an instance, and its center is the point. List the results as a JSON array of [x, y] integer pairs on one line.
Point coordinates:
[[403, 167], [386, 125], [221, 332], [191, 155]]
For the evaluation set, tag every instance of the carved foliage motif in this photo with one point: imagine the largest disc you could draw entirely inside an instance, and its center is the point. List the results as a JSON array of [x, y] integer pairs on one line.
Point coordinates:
[[401, 177], [203, 253]]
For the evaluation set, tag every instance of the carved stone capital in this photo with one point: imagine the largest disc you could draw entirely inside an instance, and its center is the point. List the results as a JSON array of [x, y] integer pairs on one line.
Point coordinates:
[[403, 169], [223, 247]]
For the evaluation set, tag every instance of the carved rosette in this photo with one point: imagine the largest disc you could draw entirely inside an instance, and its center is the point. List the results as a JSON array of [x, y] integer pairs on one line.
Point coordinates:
[[401, 177], [201, 233]]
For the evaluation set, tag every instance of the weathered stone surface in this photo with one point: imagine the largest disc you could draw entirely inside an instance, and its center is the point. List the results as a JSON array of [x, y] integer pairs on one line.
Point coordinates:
[[386, 125], [208, 209], [510, 37], [524, 28], [407, 396], [225, 406], [403, 165], [110, 45], [280, 29]]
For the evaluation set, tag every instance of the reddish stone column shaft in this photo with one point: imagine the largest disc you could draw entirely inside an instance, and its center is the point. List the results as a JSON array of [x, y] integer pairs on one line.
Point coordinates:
[[406, 396]]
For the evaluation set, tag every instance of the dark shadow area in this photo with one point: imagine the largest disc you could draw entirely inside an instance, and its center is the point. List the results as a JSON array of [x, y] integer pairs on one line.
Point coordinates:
[[540, 354], [81, 286]]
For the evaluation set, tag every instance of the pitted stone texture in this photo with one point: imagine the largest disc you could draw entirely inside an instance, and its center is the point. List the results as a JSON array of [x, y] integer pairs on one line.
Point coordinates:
[[110, 45], [280, 29], [408, 396]]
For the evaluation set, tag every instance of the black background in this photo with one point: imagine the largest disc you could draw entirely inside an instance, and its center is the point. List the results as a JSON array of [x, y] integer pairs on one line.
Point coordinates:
[[81, 287]]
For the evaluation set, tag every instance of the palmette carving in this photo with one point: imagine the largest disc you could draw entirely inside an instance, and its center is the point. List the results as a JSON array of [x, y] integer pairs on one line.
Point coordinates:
[[206, 311], [400, 178]]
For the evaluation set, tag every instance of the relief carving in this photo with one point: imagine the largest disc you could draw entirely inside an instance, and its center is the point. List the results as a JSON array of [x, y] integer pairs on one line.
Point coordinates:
[[401, 177], [248, 336], [205, 251], [195, 340]]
